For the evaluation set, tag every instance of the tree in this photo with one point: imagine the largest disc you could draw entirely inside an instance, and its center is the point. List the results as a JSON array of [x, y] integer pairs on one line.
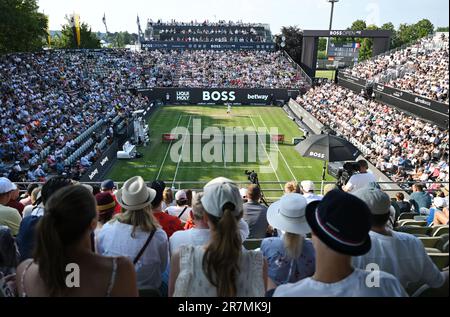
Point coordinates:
[[22, 27], [322, 44], [88, 39], [423, 28], [294, 41], [442, 29], [358, 25], [365, 52]]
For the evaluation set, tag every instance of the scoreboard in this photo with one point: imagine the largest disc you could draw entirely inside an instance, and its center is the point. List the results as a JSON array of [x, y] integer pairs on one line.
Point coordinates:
[[344, 54]]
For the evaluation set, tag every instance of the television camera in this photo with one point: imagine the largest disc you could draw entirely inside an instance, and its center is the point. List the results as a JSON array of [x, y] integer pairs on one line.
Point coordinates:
[[253, 178]]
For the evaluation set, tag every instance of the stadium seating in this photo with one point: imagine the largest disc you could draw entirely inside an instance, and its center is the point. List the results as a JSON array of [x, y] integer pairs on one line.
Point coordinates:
[[440, 259], [252, 244]]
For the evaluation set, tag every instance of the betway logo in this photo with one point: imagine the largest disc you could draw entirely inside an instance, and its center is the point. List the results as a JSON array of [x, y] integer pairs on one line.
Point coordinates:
[[103, 162], [422, 101], [316, 154], [94, 172], [257, 97]]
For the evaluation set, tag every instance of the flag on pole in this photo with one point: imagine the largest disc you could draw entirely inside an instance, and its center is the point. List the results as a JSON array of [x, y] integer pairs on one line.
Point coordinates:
[[77, 29], [139, 29], [49, 38], [104, 22]]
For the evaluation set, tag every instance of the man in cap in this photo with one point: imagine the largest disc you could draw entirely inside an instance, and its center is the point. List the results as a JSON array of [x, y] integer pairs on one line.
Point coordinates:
[[307, 188], [181, 210], [340, 225], [400, 254], [108, 186], [9, 217]]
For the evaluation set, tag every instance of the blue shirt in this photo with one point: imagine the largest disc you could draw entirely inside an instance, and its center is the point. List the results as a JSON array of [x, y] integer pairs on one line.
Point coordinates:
[[279, 264], [26, 237], [421, 199]]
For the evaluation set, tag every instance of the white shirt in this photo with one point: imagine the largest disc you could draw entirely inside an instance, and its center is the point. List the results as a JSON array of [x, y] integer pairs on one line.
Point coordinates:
[[358, 181], [176, 210], [353, 285], [114, 239], [312, 197], [403, 256]]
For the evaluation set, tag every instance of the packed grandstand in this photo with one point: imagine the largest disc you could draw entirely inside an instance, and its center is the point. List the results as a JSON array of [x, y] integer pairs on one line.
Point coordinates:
[[61, 109]]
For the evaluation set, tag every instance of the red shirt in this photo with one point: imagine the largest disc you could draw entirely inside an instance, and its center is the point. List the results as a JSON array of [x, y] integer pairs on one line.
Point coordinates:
[[16, 205], [169, 223]]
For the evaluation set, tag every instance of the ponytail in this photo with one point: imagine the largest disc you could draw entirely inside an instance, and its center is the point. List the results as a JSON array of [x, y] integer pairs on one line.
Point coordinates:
[[222, 255], [49, 253], [294, 244]]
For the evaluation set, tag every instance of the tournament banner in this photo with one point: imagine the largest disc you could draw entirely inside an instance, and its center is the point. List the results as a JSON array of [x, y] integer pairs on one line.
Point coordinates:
[[219, 96], [166, 45], [422, 107], [99, 169]]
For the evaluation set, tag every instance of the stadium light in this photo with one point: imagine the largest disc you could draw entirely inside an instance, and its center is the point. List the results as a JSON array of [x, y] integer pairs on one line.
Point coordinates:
[[331, 21]]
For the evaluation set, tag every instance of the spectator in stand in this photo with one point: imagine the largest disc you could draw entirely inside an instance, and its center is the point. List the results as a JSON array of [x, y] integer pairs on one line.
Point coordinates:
[[336, 240], [328, 188], [108, 186], [199, 234], [167, 198], [255, 214], [223, 268], [360, 180], [105, 209], [290, 257], [13, 203], [403, 205], [26, 200], [169, 223], [400, 254], [9, 217], [307, 190], [182, 209], [136, 234], [35, 195], [63, 237], [9, 256], [438, 206], [291, 187], [26, 238], [419, 198]]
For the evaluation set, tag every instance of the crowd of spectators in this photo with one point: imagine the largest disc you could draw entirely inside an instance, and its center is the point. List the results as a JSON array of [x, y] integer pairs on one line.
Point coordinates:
[[420, 69], [50, 98], [304, 248], [406, 148]]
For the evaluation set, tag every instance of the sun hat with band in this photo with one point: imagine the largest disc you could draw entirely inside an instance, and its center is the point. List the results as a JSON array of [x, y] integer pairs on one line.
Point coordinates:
[[288, 214], [135, 194], [217, 193], [342, 222]]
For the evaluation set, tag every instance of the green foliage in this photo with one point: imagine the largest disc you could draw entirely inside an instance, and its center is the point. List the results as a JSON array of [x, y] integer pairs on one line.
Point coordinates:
[[294, 41], [442, 29], [423, 28], [22, 27], [322, 55], [66, 39], [121, 39], [322, 44]]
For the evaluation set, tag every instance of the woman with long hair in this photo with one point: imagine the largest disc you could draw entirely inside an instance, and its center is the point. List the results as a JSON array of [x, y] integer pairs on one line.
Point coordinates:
[[63, 250], [290, 257], [222, 267], [136, 234]]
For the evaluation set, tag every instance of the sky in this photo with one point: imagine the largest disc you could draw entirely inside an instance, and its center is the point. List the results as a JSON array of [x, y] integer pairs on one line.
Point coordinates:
[[306, 14]]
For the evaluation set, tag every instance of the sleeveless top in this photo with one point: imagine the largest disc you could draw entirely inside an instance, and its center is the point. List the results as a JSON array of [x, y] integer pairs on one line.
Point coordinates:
[[192, 281], [110, 285]]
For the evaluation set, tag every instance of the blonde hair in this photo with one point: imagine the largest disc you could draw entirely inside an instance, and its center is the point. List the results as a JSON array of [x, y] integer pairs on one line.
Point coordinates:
[[34, 194], [294, 244], [142, 219], [291, 187], [197, 208]]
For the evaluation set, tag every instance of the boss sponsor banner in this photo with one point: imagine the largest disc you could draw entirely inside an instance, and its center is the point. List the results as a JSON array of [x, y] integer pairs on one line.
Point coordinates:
[[158, 45], [219, 95], [422, 107], [98, 170]]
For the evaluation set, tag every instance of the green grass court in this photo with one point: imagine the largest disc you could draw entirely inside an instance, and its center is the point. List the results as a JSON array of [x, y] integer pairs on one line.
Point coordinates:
[[328, 74], [284, 163]]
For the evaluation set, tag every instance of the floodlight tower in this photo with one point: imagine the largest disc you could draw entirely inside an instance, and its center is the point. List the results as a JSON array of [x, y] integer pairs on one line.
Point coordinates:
[[331, 20]]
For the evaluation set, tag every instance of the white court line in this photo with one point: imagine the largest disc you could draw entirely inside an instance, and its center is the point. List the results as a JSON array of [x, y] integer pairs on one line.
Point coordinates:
[[265, 150], [220, 166], [181, 152], [279, 151], [302, 166], [167, 152]]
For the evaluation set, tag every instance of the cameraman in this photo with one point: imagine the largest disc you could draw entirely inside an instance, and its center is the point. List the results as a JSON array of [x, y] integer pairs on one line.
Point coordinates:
[[360, 180]]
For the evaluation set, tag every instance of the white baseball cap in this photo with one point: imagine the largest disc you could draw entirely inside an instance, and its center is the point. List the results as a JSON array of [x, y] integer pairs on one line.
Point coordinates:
[[378, 201], [6, 185], [439, 202], [181, 195], [307, 186], [219, 193]]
